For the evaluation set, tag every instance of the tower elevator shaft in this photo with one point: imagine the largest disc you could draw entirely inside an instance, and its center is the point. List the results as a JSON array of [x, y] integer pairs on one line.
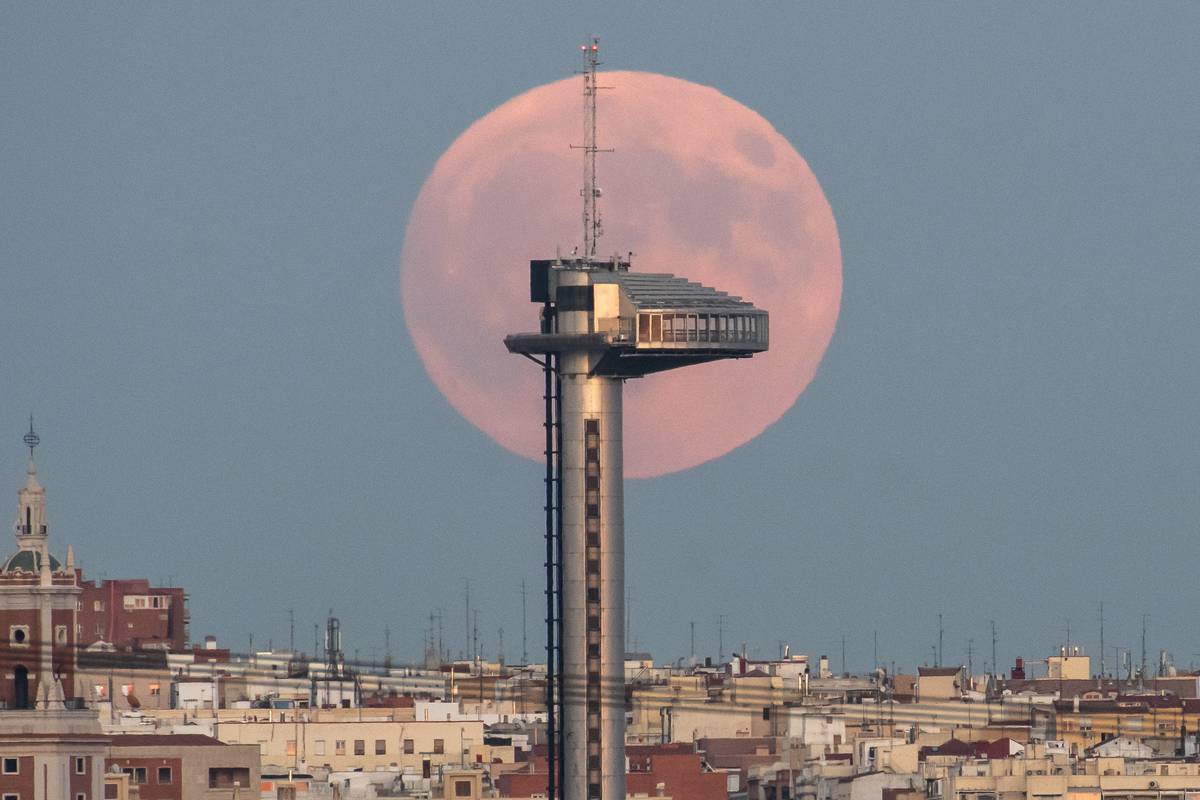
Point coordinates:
[[593, 572]]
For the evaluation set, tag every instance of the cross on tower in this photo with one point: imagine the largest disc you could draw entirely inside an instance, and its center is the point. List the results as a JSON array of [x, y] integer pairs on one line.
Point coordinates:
[[31, 439]]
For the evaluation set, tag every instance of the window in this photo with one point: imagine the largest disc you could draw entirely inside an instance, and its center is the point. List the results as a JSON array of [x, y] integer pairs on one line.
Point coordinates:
[[228, 777], [19, 635], [339, 747], [462, 788], [409, 749], [97, 605], [12, 766], [360, 747], [319, 747], [164, 776], [60, 634], [80, 796], [291, 747], [99, 628], [155, 690], [136, 774], [381, 747], [439, 745], [11, 796], [80, 765]]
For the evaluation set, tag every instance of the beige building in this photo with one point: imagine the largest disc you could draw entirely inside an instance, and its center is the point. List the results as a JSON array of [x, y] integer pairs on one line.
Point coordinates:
[[939, 683], [1070, 664], [1042, 778], [463, 784], [348, 744]]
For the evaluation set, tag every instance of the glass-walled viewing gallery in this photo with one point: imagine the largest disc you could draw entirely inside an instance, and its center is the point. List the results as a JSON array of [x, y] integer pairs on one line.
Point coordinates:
[[680, 327]]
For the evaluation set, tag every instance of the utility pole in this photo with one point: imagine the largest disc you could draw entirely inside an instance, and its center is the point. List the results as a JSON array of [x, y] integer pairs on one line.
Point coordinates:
[[720, 638], [970, 658], [1101, 640], [387, 646], [316, 640], [291, 630]]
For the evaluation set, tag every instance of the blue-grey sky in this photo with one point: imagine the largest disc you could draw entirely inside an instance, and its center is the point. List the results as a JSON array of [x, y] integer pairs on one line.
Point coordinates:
[[201, 215]]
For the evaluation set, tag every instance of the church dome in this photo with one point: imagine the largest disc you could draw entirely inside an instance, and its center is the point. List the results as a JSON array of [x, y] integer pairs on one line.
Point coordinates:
[[25, 561]]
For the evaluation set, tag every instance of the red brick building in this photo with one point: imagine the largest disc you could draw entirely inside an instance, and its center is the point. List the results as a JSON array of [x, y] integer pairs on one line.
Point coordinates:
[[51, 753], [670, 770], [132, 614], [185, 766]]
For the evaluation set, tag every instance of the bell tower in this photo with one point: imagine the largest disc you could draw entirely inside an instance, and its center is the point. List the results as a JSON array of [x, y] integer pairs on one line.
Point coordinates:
[[38, 607], [31, 504]]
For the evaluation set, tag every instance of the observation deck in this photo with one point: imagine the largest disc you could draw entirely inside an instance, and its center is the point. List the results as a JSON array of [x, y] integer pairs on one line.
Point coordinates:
[[637, 323]]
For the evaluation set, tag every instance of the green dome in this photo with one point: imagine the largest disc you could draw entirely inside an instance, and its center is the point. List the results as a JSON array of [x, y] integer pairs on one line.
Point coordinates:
[[23, 560]]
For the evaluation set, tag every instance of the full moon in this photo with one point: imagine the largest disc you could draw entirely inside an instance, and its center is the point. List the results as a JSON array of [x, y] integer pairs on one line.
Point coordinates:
[[698, 185]]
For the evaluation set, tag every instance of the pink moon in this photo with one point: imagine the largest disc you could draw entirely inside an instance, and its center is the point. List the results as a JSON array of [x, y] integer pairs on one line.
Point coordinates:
[[699, 186]]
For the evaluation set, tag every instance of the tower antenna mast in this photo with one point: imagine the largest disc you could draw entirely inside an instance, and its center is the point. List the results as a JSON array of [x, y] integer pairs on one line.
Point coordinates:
[[592, 227]]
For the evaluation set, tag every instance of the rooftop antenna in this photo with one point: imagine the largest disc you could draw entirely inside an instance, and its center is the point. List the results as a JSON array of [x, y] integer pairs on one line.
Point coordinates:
[[524, 631], [1142, 670], [590, 191], [31, 439], [995, 665]]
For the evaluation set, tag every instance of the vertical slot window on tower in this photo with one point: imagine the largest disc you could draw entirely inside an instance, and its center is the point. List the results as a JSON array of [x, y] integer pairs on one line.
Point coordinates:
[[594, 616]]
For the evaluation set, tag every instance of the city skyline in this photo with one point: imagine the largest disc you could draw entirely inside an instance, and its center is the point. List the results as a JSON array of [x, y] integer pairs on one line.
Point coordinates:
[[201, 255]]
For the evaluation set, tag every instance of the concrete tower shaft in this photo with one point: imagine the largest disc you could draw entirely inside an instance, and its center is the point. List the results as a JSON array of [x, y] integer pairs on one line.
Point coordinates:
[[593, 565], [603, 324]]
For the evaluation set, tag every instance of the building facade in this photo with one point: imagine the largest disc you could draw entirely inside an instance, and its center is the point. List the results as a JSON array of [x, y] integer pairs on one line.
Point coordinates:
[[132, 614]]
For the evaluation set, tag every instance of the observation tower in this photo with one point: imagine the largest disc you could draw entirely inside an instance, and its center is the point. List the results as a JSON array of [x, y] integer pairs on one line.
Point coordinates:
[[600, 325]]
